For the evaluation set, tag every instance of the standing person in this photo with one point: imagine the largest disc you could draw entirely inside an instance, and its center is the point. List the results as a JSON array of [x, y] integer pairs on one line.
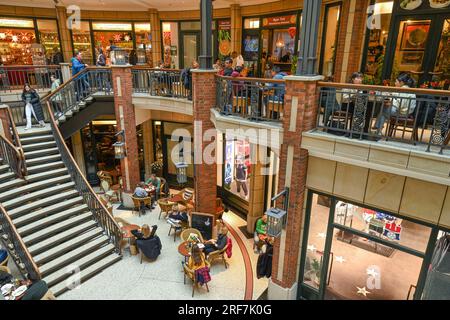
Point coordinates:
[[228, 70], [217, 65], [102, 80], [132, 58], [56, 102], [32, 106], [57, 56], [101, 58], [77, 66], [238, 61]]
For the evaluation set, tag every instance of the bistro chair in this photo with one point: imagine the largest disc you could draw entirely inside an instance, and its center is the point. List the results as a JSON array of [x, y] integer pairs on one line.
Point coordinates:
[[5, 269], [404, 125], [187, 232], [218, 254], [165, 207], [140, 204], [164, 190], [4, 263], [190, 274], [178, 228]]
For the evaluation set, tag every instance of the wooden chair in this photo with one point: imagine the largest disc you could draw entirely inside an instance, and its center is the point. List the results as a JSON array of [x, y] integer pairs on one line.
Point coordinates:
[[404, 125], [139, 203], [178, 229], [165, 207], [111, 192], [187, 232], [4, 263], [5, 269], [190, 273], [48, 296], [340, 120], [218, 254]]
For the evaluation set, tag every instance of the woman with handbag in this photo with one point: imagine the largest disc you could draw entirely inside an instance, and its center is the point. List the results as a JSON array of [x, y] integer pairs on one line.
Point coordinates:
[[32, 106]]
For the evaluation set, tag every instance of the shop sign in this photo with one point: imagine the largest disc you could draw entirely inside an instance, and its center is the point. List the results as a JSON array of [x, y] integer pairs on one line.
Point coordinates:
[[224, 24], [16, 23], [100, 26], [279, 21]]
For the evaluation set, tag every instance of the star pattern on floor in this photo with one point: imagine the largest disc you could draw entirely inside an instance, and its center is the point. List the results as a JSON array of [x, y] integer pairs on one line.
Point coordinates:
[[340, 259], [362, 291], [311, 247]]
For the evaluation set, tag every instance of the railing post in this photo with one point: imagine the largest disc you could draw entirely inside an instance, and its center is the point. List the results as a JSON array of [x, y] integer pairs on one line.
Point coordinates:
[[65, 71]]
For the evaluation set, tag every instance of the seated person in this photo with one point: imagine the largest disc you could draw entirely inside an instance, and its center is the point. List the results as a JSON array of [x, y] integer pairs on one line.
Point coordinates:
[[140, 192], [217, 244], [156, 182], [36, 288], [178, 215], [197, 259], [145, 232], [261, 228]]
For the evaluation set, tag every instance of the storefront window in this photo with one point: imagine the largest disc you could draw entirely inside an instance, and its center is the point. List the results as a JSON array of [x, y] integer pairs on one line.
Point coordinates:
[[143, 40], [16, 38], [330, 36], [82, 41], [237, 168], [49, 38], [442, 68], [379, 23], [108, 35], [251, 23], [170, 42]]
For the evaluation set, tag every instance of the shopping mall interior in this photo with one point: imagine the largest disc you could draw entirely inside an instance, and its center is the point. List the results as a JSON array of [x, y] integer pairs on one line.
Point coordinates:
[[225, 150]]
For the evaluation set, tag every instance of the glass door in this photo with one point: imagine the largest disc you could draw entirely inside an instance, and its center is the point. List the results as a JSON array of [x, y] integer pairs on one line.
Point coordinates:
[[190, 47]]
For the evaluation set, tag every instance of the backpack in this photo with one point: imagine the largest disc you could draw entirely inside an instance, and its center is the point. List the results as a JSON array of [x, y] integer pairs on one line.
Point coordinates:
[[229, 248], [185, 78]]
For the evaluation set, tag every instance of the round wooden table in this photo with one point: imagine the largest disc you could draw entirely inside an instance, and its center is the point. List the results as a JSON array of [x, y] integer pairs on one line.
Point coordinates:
[[184, 250], [126, 230]]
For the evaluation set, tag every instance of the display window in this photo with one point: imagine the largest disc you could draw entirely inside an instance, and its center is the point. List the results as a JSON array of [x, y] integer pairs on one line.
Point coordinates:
[[49, 38], [16, 38], [359, 253], [82, 42], [108, 35], [170, 43], [143, 36], [237, 167]]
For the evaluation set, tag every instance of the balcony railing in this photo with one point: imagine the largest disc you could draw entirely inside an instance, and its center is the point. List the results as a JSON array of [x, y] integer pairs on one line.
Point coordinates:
[[13, 78], [161, 83], [251, 98], [415, 116]]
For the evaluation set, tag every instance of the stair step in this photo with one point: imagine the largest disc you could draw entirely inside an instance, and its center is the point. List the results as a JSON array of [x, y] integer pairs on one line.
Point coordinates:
[[39, 146], [4, 168], [58, 227], [67, 246], [45, 167], [34, 133], [40, 153], [18, 192], [68, 114], [46, 175], [36, 139], [75, 254], [42, 160], [50, 220], [13, 203], [88, 272], [11, 184], [56, 240], [89, 100], [4, 177], [25, 214]]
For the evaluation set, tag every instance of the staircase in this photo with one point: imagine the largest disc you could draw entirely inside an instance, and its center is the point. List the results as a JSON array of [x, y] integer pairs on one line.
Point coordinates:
[[52, 217]]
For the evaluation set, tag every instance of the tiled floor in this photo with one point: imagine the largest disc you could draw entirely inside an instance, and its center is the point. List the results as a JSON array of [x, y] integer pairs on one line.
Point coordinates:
[[163, 279]]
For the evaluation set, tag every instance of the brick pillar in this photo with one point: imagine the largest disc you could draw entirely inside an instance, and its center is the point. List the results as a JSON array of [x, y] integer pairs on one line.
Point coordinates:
[[236, 27], [148, 147], [78, 153], [256, 190], [156, 36], [122, 85], [301, 105], [350, 38], [66, 41], [205, 177]]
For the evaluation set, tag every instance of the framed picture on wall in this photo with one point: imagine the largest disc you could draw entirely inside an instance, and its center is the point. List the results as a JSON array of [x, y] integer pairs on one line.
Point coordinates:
[[414, 36], [412, 57]]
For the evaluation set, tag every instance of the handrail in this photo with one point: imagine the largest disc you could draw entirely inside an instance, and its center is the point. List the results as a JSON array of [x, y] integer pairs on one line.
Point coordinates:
[[12, 156], [364, 87], [19, 246], [101, 213], [153, 68], [18, 144], [31, 66], [247, 79]]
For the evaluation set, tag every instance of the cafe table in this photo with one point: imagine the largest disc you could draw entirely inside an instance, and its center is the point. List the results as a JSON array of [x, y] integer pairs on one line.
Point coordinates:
[[184, 250]]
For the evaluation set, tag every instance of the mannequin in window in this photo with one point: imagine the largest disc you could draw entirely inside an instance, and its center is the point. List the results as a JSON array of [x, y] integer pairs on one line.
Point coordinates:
[[241, 176]]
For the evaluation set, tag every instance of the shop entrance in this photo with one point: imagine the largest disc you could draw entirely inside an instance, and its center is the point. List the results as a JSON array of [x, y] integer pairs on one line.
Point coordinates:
[[190, 46], [358, 253]]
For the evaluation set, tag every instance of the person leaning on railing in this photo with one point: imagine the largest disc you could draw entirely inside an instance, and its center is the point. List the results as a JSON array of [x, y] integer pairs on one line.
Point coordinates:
[[32, 106], [401, 104], [57, 99]]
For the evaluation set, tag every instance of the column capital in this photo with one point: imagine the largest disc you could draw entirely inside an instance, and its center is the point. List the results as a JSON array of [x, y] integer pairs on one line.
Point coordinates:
[[153, 11], [235, 6]]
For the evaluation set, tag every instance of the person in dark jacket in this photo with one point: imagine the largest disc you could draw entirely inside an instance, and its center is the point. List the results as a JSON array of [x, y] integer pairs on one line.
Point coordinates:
[[57, 56], [132, 58], [147, 242], [264, 264], [77, 66], [101, 58], [32, 106], [217, 244]]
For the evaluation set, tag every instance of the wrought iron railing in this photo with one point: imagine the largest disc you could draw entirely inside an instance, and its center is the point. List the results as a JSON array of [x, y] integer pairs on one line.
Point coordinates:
[[16, 246], [13, 78], [81, 86], [161, 83], [416, 116], [251, 98], [100, 212]]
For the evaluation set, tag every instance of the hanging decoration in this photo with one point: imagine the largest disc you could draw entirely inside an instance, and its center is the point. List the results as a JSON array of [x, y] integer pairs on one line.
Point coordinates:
[[292, 32], [2, 35], [117, 37], [127, 38], [15, 38]]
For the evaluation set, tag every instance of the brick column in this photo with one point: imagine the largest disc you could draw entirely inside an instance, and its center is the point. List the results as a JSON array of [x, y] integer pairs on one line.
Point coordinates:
[[122, 85], [156, 36], [148, 147], [236, 27], [256, 191], [301, 106], [205, 177], [66, 41], [78, 153]]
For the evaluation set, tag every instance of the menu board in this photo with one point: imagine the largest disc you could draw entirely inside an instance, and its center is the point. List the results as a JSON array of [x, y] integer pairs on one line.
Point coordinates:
[[204, 223]]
